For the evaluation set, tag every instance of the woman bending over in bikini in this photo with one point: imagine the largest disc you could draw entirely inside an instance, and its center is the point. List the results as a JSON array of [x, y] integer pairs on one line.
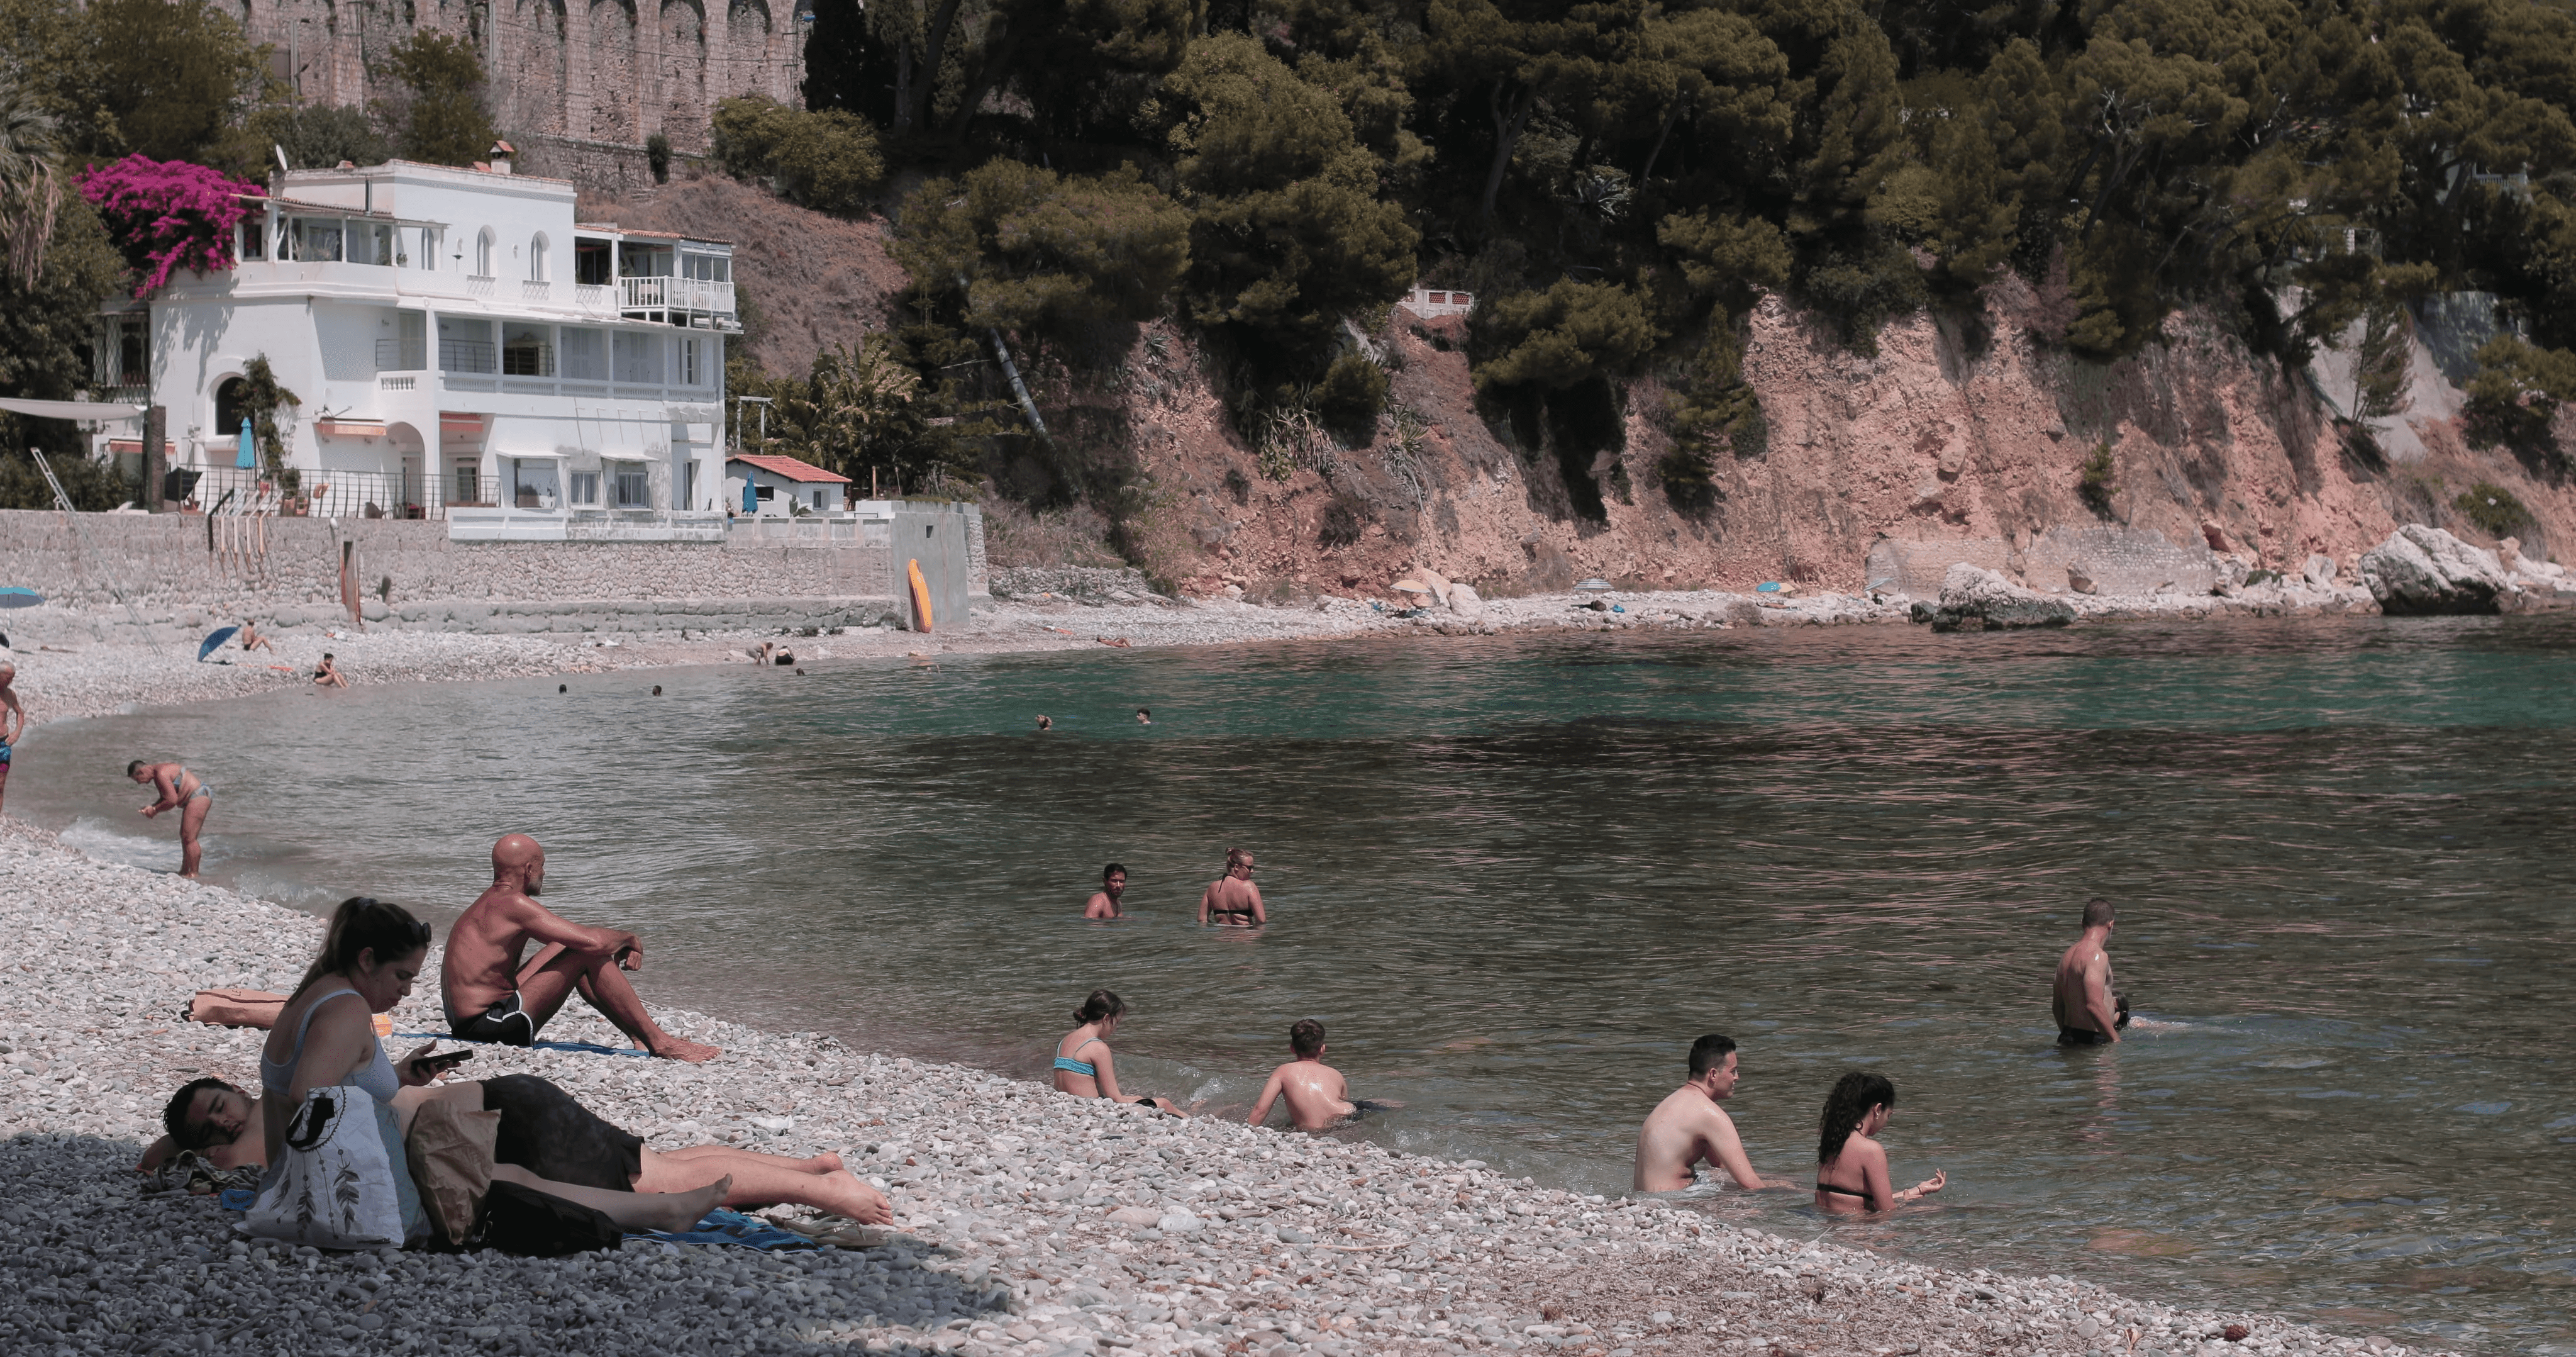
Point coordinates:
[[1851, 1166]]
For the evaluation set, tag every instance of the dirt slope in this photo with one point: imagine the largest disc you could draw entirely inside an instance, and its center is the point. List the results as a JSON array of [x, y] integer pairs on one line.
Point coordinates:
[[812, 280]]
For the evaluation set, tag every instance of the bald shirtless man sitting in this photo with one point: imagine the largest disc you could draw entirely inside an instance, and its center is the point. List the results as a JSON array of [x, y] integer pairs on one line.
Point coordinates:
[[1689, 1127], [490, 996]]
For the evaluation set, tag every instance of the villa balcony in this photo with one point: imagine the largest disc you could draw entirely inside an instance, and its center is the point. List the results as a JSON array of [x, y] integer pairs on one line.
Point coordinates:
[[674, 299]]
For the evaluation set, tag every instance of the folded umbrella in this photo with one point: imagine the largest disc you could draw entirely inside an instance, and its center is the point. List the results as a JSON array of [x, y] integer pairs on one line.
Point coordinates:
[[214, 642], [18, 596]]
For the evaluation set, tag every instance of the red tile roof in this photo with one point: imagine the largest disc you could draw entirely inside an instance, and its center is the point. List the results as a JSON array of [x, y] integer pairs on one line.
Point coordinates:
[[789, 467]]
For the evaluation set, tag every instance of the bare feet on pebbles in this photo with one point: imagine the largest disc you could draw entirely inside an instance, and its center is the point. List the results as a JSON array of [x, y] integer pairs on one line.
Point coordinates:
[[681, 1048], [677, 1211]]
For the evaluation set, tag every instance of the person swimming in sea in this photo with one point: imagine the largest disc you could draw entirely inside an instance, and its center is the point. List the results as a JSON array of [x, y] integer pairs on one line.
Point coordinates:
[[1103, 903], [2089, 1011], [1318, 1096], [1851, 1166], [1084, 1066], [1232, 899]]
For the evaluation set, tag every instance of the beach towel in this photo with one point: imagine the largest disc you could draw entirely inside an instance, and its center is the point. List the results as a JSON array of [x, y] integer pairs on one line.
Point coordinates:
[[580, 1047], [732, 1227]]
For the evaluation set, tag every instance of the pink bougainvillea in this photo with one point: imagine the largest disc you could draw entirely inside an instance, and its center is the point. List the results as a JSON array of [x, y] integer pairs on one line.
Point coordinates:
[[168, 215]]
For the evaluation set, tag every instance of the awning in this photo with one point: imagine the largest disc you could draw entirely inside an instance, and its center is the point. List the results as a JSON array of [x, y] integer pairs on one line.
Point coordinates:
[[624, 457], [351, 428], [86, 410], [533, 456]]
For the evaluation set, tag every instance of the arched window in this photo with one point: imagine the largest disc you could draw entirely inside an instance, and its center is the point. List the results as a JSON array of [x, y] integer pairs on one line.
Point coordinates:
[[537, 258], [228, 408], [483, 254]]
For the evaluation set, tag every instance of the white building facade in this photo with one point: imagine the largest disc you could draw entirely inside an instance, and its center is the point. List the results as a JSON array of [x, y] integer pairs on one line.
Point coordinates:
[[461, 348]]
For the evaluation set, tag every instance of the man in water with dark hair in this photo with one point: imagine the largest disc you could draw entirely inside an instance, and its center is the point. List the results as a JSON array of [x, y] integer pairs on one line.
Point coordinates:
[[490, 996], [2089, 1012], [1688, 1127], [1318, 1097], [1103, 903]]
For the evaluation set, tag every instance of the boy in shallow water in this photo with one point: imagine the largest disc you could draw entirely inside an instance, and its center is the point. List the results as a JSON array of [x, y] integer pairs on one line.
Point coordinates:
[[1318, 1097]]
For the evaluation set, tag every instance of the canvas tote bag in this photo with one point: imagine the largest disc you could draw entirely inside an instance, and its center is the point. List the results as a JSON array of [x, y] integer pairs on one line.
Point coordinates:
[[335, 1188]]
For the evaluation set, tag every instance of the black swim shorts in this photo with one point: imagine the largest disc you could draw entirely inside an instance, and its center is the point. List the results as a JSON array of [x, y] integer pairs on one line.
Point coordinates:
[[2081, 1036], [504, 1023], [546, 1132]]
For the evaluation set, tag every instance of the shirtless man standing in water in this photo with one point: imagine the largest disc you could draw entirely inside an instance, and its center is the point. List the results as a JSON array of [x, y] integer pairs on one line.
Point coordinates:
[[491, 997], [1103, 903], [1688, 1126], [1232, 898], [2089, 1011]]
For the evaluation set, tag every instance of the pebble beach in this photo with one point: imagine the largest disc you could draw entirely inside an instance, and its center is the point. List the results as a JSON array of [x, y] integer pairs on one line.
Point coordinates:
[[1027, 1222]]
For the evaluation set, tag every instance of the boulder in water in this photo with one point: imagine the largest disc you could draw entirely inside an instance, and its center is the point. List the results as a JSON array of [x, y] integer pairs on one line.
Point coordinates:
[[2426, 572], [1974, 598]]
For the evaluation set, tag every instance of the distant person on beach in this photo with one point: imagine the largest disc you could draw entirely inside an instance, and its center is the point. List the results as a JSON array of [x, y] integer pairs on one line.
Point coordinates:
[[1045, 722], [13, 716], [1688, 1127], [1232, 899], [251, 639], [2089, 1012], [1851, 1166], [1083, 1064], [179, 788], [372, 952], [545, 1131], [1103, 903], [1318, 1097], [328, 675], [490, 996]]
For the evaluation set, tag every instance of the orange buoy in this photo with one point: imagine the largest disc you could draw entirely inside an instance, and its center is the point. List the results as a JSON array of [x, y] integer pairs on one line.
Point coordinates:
[[920, 596]]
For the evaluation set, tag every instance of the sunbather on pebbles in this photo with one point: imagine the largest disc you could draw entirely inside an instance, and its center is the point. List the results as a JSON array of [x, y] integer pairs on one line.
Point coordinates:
[[545, 1131]]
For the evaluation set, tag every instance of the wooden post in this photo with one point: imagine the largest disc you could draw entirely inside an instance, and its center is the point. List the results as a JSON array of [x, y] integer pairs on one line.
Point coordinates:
[[156, 428]]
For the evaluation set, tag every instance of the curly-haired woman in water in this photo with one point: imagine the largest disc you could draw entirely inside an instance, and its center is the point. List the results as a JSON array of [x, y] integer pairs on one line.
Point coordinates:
[[1083, 1065], [1851, 1166]]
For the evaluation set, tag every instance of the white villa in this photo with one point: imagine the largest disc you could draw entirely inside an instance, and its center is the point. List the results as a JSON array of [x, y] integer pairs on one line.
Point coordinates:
[[462, 349]]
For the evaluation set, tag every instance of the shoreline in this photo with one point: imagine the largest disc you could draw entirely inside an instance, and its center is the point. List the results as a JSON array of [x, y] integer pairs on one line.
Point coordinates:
[[1029, 1223], [63, 682]]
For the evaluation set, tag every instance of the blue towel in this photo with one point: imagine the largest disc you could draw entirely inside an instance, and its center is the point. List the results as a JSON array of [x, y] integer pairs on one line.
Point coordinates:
[[583, 1047], [732, 1227]]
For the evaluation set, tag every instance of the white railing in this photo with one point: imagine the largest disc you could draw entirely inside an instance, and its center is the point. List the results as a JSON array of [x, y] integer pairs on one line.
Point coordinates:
[[478, 285], [500, 524], [397, 383], [677, 294]]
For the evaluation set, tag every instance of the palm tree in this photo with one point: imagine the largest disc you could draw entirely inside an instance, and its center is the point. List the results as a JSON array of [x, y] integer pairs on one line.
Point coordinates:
[[31, 186]]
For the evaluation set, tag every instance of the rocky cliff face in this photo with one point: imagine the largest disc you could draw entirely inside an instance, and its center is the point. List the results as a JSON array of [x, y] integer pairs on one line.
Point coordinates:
[[1937, 449], [1950, 444]]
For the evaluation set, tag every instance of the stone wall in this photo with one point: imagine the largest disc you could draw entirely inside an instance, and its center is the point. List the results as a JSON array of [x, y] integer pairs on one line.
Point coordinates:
[[605, 74], [2095, 559], [186, 574]]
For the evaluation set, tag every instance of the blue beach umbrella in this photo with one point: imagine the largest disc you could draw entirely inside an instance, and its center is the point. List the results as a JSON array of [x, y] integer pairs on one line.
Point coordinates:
[[243, 458], [214, 642], [19, 596]]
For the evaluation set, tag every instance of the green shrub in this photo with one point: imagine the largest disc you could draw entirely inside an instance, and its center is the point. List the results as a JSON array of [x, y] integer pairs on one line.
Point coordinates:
[[657, 157], [1573, 332], [1350, 396], [1862, 289], [1344, 520], [2494, 509], [2095, 485], [2517, 391], [1043, 251], [827, 161], [445, 121]]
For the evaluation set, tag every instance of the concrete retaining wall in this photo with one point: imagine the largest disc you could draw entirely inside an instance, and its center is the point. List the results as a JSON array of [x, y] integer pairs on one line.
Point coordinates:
[[286, 572], [2110, 560]]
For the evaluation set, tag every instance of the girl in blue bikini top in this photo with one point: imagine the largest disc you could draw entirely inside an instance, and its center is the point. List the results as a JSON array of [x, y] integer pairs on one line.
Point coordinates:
[[1096, 1077]]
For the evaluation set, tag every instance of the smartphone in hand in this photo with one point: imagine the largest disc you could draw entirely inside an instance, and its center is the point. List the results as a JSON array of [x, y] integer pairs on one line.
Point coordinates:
[[439, 1062]]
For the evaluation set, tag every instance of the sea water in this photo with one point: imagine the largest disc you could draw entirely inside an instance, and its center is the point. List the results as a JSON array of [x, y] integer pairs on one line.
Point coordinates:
[[1516, 877]]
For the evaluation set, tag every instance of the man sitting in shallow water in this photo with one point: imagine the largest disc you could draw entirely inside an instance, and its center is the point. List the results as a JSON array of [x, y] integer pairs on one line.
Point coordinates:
[[490, 996], [1689, 1127], [546, 1131]]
